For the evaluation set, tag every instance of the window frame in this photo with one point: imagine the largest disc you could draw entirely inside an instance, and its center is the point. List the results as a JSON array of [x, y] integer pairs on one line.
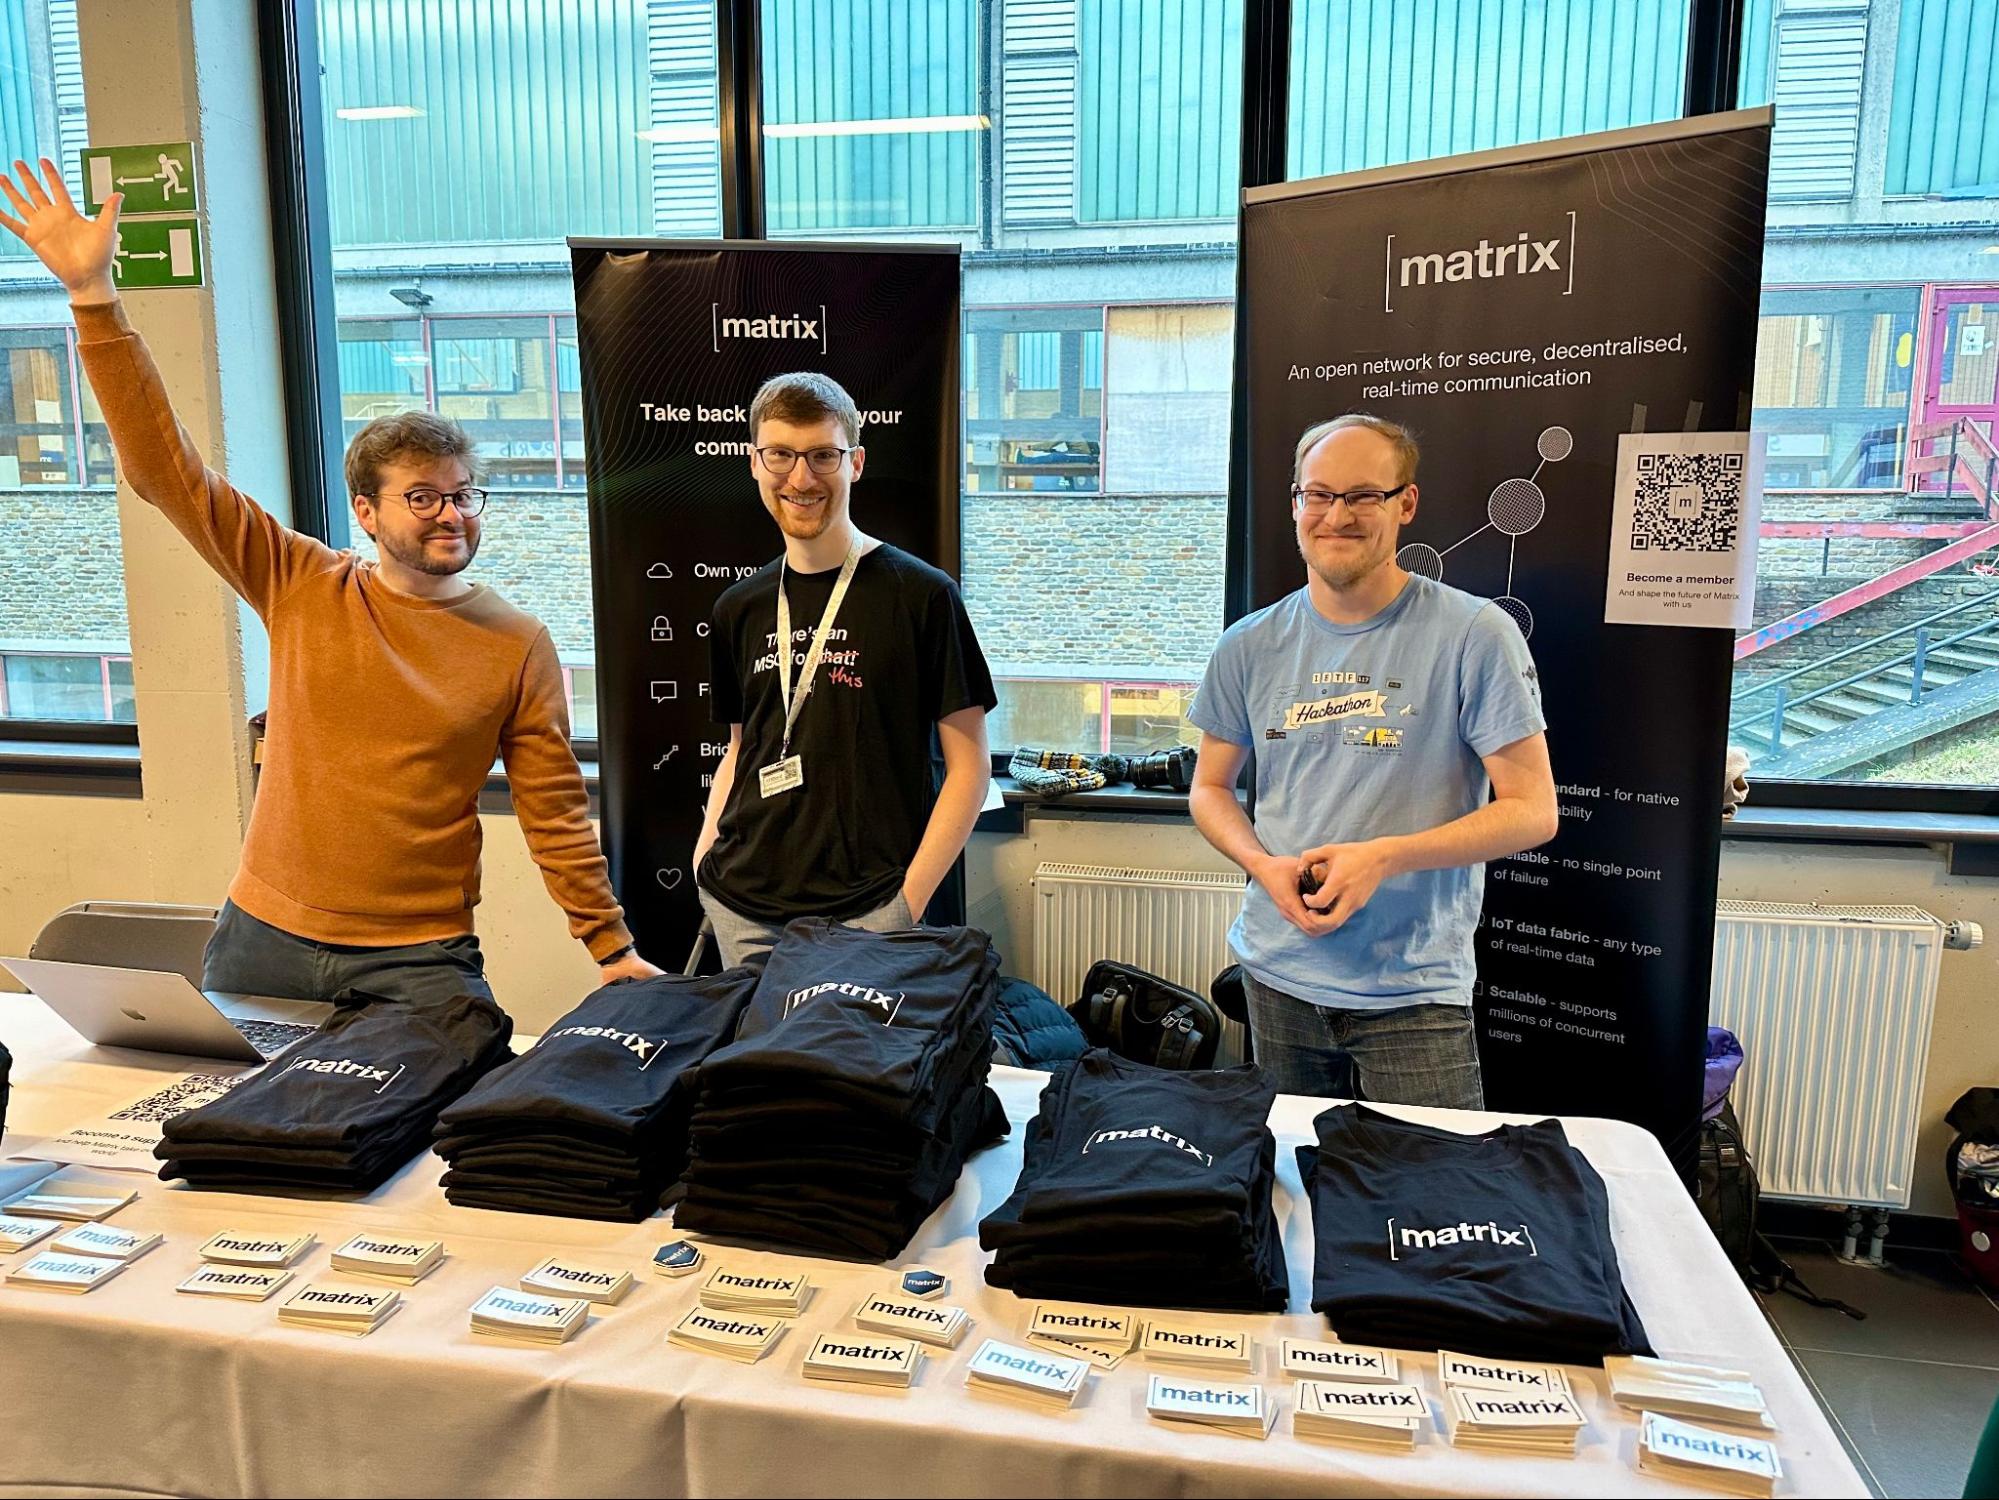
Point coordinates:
[[297, 168]]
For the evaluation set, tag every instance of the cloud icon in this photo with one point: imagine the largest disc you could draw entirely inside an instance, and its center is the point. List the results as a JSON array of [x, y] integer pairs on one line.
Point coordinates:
[[659, 570]]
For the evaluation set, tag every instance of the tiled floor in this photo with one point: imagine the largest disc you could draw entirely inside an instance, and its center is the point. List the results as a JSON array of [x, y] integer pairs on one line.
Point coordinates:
[[1909, 1389]]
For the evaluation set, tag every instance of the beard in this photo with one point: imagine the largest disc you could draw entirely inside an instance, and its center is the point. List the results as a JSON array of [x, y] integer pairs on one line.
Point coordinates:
[[1350, 568], [806, 527], [416, 555]]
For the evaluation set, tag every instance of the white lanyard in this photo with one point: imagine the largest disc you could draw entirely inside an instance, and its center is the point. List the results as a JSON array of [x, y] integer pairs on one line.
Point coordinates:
[[810, 668]]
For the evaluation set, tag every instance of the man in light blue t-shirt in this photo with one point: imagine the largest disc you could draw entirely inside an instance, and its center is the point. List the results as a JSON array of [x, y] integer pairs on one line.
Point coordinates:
[[1382, 708]]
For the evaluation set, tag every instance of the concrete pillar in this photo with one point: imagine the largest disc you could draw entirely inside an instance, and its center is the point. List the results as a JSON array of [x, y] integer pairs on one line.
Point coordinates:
[[165, 70]]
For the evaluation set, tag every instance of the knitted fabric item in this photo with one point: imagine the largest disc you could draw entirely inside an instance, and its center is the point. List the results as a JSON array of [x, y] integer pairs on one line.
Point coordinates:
[[1053, 773]]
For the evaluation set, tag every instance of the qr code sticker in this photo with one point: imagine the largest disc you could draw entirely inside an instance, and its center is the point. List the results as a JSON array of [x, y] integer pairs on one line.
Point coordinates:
[[1687, 502], [182, 1094]]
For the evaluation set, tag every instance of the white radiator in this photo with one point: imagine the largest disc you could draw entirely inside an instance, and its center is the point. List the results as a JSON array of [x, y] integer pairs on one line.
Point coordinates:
[[1173, 923], [1833, 1005]]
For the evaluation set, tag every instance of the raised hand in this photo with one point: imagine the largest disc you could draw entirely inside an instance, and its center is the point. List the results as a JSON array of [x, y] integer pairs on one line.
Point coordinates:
[[80, 252]]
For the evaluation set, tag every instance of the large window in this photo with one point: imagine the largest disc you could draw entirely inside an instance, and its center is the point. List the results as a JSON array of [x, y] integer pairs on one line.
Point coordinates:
[[1877, 389], [1085, 155], [64, 647], [464, 143]]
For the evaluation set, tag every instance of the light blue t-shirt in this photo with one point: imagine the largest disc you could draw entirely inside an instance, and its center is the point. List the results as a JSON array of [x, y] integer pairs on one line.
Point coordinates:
[[1359, 732]]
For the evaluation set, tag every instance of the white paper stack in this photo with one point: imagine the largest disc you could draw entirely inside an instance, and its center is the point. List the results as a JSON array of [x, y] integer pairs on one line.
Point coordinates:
[[74, 1208], [1639, 1383], [18, 1234], [53, 1271], [1358, 1411], [1512, 1421], [338, 1309], [1224, 1405], [681, 1258], [744, 1336], [1310, 1359], [107, 1240], [394, 1258], [1199, 1346], [255, 1247], [1076, 1330], [755, 1291], [1686, 1454], [223, 1279], [559, 1276], [1502, 1374], [936, 1323], [527, 1318], [1037, 1377], [863, 1359]]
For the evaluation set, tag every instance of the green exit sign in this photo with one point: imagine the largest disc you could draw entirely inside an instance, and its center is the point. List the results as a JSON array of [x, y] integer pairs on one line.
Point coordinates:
[[155, 179], [157, 252]]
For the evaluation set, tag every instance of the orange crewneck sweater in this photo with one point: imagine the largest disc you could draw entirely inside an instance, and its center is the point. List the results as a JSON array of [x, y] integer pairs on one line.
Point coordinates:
[[386, 711]]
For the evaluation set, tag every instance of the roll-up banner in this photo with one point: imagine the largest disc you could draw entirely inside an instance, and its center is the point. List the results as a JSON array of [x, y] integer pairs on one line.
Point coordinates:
[[1570, 329], [674, 337]]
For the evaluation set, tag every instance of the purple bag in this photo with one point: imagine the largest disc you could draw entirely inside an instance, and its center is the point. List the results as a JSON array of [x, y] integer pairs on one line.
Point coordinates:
[[1724, 1061]]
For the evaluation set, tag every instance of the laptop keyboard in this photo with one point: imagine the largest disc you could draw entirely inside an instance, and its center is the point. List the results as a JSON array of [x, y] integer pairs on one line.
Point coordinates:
[[272, 1037]]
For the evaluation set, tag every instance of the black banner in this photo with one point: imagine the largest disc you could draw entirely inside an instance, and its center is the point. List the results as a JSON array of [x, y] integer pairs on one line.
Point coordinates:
[[674, 339], [1520, 310]]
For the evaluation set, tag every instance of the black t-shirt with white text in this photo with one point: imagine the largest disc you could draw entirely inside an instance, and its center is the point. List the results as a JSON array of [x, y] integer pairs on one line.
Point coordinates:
[[902, 655]]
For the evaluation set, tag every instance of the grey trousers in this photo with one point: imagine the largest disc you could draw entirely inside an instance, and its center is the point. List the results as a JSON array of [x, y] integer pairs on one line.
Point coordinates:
[[740, 937], [249, 957]]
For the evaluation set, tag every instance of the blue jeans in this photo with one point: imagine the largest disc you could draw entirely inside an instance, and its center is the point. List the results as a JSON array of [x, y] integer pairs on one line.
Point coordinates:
[[1413, 1054], [249, 957], [740, 938]]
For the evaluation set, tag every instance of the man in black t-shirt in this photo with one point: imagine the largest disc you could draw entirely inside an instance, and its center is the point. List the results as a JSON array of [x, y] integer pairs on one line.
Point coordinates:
[[824, 804]]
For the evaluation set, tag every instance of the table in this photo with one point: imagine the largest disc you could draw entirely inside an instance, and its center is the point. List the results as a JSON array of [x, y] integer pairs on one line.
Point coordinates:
[[134, 1390]]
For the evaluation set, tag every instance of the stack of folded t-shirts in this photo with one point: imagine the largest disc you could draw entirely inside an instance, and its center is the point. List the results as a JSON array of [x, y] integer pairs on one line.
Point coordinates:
[[844, 1111], [1145, 1186], [345, 1107], [1495, 1244], [591, 1122]]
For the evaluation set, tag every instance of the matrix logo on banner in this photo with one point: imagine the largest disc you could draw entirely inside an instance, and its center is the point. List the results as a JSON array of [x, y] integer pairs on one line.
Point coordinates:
[[1570, 330], [674, 339]]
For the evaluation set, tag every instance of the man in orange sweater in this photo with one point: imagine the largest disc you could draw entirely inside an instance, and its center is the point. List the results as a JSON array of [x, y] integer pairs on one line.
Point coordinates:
[[394, 684]]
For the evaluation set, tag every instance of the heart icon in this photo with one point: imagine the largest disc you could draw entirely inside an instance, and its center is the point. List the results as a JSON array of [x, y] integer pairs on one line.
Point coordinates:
[[670, 879]]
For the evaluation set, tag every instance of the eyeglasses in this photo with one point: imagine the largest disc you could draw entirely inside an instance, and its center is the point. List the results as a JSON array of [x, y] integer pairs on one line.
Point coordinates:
[[1316, 502], [425, 502], [779, 461]]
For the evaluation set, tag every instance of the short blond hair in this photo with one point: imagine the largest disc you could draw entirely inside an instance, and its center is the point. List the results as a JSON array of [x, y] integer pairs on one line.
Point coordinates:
[[1407, 453]]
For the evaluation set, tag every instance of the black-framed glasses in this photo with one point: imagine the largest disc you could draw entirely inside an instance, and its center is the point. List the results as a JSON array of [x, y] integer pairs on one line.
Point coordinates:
[[780, 461], [425, 502], [1317, 502]]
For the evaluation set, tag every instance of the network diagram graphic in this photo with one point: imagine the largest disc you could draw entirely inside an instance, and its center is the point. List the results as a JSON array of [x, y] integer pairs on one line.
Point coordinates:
[[1515, 507]]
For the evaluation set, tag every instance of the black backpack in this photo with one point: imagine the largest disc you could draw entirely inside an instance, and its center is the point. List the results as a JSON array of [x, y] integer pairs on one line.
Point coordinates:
[[1142, 1017]]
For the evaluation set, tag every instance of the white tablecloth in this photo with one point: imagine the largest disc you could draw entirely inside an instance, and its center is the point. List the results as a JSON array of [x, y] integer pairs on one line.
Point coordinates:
[[134, 1389]]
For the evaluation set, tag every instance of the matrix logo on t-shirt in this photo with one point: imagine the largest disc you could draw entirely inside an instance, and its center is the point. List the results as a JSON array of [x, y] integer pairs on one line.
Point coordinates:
[[346, 1067], [1405, 1238], [886, 1003], [631, 1041], [1149, 1133]]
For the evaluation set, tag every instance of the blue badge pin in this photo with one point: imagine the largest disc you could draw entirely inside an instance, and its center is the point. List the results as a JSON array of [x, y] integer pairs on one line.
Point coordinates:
[[925, 1283], [677, 1259]]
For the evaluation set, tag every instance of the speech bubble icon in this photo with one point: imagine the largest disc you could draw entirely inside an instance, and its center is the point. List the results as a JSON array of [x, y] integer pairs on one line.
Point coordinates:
[[663, 692]]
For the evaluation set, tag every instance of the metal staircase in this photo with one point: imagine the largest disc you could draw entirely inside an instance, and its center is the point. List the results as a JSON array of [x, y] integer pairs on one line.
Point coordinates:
[[1953, 651]]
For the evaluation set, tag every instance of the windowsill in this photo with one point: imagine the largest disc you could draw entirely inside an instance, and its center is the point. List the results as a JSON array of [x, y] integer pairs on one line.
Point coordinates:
[[113, 770]]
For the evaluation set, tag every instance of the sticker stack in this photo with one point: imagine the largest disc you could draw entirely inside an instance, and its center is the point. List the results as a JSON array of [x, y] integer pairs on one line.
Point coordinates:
[[251, 1247], [863, 1359], [559, 1277], [1638, 1383], [1507, 1406], [1226, 1406], [515, 1317], [1686, 1454], [243, 1283], [772, 1294], [1356, 1411], [338, 1309], [107, 1240], [1077, 1330], [1200, 1346], [388, 1257], [743, 1336], [1039, 1378], [53, 1271], [936, 1323]]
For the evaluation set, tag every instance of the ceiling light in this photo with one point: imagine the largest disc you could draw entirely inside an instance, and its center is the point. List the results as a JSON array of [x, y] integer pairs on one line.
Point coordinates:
[[380, 112], [912, 125], [1990, 250]]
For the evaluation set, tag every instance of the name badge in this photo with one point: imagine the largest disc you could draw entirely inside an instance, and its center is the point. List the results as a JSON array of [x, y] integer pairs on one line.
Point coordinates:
[[780, 776]]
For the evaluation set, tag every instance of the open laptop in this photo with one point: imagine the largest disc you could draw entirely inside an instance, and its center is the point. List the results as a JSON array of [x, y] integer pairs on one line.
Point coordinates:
[[156, 1011]]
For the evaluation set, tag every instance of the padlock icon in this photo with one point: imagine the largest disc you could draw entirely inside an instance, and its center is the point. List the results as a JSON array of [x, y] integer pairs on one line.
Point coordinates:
[[661, 631]]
